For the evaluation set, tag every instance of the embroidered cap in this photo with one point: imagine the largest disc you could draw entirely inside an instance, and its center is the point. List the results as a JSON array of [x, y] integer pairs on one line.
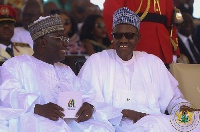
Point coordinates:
[[45, 25], [7, 13], [126, 16]]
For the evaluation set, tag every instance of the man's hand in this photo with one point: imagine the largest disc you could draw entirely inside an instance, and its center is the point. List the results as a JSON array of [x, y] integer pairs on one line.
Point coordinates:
[[133, 115], [85, 112], [50, 110]]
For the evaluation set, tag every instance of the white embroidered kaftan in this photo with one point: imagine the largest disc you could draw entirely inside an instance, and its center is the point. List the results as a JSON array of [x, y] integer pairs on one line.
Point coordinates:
[[142, 84], [27, 81]]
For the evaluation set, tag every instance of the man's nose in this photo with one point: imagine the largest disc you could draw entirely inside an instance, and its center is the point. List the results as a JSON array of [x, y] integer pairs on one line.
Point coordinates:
[[5, 25], [123, 39]]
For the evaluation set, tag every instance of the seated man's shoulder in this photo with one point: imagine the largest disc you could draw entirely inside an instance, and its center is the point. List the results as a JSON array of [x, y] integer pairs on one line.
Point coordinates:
[[20, 32], [17, 60], [19, 29], [146, 56], [107, 52], [102, 56]]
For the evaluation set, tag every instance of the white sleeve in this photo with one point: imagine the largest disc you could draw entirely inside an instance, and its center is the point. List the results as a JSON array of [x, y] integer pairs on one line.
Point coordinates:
[[178, 96], [14, 98]]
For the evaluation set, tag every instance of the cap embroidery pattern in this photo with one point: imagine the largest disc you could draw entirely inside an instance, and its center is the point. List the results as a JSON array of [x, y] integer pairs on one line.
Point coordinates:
[[45, 26], [126, 16]]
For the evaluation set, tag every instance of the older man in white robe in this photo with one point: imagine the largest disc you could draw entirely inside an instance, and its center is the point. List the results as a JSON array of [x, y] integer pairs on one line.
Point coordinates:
[[31, 84], [133, 83]]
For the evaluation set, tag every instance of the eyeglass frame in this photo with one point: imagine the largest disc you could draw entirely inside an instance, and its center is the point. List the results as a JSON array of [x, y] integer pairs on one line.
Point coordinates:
[[67, 22], [125, 35], [62, 38]]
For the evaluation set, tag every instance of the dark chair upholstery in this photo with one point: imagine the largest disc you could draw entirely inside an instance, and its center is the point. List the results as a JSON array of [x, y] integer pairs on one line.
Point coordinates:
[[78, 66], [74, 62], [1, 63]]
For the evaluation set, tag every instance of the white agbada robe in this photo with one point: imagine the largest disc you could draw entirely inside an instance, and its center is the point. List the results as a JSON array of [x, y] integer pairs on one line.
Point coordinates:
[[142, 84], [27, 81]]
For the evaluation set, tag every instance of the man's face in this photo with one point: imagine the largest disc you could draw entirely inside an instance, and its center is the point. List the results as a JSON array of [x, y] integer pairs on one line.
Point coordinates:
[[99, 30], [125, 41], [187, 27], [30, 14], [56, 48], [6, 30], [66, 23], [79, 9]]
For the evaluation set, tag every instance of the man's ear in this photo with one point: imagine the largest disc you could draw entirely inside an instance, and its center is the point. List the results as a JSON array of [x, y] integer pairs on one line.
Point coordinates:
[[42, 42], [138, 37]]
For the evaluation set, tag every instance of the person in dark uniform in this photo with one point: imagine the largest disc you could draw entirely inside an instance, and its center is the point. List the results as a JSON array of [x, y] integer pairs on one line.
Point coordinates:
[[8, 48]]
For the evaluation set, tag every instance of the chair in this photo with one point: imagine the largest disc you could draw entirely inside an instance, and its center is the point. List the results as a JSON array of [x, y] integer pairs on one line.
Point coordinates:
[[78, 66], [75, 62], [188, 76], [1, 63]]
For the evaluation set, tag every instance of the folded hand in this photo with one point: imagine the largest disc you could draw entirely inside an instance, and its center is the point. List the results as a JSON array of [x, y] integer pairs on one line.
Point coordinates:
[[85, 112], [133, 115], [49, 110]]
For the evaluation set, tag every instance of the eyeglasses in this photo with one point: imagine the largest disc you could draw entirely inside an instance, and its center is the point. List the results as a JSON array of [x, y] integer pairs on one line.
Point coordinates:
[[126, 35], [100, 25], [67, 22], [62, 38]]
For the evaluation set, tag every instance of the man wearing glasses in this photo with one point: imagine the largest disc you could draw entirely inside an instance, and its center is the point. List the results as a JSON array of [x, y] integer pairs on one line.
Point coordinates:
[[135, 88], [31, 84]]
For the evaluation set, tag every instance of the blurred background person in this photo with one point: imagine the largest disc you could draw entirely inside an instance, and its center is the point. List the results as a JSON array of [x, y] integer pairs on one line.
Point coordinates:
[[74, 47], [50, 8], [9, 48], [197, 36], [81, 9], [16, 3], [93, 9], [187, 41], [31, 11], [18, 22], [62, 4], [1, 2], [93, 34], [186, 6]]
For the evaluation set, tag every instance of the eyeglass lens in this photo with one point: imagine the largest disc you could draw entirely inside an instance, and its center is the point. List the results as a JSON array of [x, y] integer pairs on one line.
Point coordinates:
[[100, 25], [67, 22], [62, 38], [126, 35]]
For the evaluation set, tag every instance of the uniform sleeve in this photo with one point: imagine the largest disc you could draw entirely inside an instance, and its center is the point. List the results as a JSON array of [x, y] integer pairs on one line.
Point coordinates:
[[178, 96], [173, 30], [110, 6], [170, 94], [15, 100]]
